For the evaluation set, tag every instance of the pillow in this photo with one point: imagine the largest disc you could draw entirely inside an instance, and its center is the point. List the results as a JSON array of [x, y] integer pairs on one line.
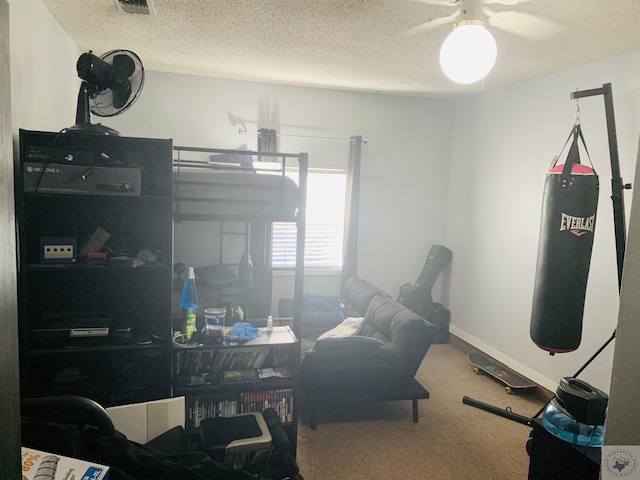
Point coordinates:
[[350, 326]]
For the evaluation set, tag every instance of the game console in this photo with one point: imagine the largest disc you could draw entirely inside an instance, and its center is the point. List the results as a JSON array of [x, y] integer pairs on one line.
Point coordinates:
[[59, 332], [58, 250], [42, 177]]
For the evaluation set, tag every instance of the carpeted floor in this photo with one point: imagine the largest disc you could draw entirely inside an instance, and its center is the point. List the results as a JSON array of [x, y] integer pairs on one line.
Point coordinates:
[[452, 441]]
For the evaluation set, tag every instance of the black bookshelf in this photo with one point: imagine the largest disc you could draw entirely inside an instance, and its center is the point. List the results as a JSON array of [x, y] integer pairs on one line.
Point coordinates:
[[89, 326], [197, 376]]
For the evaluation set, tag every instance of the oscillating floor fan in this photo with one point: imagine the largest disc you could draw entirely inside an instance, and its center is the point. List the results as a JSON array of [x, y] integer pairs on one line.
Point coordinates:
[[111, 84]]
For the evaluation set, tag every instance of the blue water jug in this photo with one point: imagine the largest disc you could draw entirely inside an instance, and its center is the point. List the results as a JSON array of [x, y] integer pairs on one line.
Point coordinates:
[[560, 423]]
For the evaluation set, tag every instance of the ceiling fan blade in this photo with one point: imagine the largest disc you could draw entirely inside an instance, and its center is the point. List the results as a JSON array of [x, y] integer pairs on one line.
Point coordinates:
[[456, 3], [526, 25], [505, 2], [446, 3], [431, 24]]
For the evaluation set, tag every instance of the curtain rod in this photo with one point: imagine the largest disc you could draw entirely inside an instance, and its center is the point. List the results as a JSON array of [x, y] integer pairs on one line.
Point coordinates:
[[244, 131]]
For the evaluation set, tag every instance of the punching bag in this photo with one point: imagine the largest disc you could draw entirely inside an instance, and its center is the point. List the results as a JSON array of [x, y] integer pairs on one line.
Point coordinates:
[[568, 220]]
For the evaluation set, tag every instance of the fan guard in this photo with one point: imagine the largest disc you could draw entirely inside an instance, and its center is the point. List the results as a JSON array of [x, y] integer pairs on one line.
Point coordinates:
[[104, 103], [111, 84]]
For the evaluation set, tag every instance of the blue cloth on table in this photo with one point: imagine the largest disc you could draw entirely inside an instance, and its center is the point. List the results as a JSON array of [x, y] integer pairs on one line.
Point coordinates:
[[243, 331]]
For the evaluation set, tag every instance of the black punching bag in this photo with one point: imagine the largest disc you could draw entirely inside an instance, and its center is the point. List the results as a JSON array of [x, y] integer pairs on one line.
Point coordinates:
[[569, 206]]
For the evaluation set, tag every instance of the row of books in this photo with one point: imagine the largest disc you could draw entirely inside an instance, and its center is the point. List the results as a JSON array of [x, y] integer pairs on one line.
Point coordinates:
[[281, 400], [241, 376], [281, 354], [218, 359]]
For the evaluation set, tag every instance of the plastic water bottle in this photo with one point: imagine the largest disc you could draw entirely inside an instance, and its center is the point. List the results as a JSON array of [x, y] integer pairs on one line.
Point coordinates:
[[269, 324]]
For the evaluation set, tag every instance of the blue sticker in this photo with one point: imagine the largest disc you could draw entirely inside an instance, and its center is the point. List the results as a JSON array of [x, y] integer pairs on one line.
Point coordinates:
[[93, 473]]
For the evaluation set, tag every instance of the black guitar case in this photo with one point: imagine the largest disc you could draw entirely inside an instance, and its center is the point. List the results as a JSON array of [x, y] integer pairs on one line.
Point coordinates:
[[418, 296]]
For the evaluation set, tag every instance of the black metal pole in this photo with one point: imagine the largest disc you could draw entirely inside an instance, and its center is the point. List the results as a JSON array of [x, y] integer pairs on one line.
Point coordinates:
[[617, 185], [585, 365], [501, 412]]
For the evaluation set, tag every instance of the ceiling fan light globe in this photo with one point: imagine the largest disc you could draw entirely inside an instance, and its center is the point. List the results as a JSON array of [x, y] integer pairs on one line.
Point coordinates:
[[468, 53]]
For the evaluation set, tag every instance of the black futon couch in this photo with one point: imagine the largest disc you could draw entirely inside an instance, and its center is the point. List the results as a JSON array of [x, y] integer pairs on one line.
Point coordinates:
[[378, 362]]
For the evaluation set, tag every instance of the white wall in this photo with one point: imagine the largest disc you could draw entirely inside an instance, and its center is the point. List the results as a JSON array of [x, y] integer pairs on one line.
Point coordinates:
[[404, 164], [44, 84], [504, 142]]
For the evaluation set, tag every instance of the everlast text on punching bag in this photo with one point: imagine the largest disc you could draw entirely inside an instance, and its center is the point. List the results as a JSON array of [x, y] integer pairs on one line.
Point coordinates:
[[567, 225]]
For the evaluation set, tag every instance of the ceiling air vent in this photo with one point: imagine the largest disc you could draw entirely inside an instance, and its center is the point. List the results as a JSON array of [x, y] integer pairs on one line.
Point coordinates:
[[143, 7]]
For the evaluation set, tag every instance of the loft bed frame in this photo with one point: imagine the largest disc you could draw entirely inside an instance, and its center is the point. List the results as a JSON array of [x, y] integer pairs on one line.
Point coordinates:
[[218, 184], [212, 184]]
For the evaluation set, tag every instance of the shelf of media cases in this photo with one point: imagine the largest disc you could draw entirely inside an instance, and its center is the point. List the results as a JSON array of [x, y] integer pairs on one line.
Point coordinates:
[[97, 349], [241, 194], [229, 378]]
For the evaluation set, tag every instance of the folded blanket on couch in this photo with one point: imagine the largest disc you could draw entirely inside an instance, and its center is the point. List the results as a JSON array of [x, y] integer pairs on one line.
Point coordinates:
[[350, 326]]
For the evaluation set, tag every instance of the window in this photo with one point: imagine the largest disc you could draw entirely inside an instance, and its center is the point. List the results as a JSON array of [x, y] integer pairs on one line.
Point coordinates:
[[325, 224]]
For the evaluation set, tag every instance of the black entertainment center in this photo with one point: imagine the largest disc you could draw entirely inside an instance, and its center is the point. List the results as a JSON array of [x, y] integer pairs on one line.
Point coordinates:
[[91, 324]]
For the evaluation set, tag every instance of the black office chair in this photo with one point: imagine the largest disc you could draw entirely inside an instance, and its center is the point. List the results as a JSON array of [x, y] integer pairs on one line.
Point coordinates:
[[68, 409]]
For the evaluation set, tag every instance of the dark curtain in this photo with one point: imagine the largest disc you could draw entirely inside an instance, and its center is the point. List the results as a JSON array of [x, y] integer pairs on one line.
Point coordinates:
[[352, 211], [267, 142]]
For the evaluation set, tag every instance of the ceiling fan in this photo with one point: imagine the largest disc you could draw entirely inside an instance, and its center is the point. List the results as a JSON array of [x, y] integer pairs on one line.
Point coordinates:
[[522, 24]]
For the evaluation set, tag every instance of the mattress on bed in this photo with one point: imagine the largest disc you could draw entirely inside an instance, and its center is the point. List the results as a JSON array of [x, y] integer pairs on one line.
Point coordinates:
[[201, 191]]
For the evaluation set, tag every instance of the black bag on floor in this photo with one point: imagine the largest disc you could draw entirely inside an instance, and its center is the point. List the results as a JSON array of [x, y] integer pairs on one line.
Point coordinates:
[[440, 317], [418, 298]]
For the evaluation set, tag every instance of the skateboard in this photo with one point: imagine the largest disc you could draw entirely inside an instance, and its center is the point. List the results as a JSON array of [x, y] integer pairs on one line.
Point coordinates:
[[511, 380]]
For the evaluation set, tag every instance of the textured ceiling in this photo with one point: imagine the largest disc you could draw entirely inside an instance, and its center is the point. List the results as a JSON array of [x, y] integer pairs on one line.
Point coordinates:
[[368, 45]]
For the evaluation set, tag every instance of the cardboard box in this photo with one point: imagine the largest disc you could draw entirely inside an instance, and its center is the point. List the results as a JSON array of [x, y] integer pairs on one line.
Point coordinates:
[[142, 422], [38, 465]]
